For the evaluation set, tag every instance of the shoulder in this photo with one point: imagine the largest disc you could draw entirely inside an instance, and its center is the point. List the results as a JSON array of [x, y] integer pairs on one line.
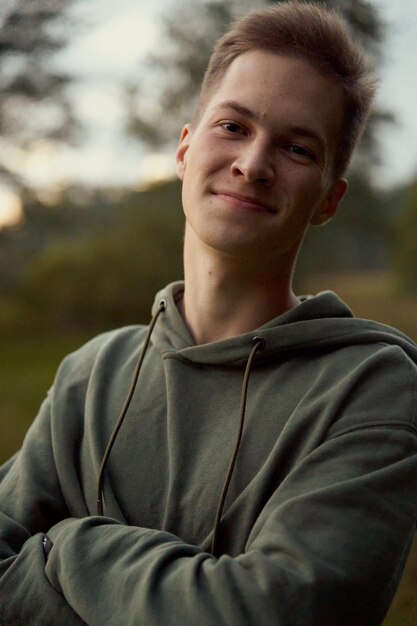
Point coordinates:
[[103, 354], [377, 388]]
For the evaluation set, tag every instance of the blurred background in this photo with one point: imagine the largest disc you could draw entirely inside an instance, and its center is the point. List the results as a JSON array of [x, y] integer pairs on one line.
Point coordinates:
[[93, 95]]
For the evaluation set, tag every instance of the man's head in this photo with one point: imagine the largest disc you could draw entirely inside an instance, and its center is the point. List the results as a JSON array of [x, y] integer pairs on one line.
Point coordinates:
[[314, 34]]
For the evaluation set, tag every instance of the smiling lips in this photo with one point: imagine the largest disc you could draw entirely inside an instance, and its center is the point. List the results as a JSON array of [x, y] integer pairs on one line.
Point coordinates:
[[244, 202]]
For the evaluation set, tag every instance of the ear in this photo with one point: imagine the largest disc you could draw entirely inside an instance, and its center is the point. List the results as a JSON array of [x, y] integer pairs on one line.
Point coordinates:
[[181, 155], [328, 208]]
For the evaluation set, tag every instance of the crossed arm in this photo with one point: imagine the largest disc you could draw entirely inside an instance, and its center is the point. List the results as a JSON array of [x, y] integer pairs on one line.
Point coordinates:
[[327, 548]]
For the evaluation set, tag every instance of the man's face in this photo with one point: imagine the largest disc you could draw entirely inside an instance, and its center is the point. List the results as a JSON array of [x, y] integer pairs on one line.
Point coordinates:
[[255, 168]]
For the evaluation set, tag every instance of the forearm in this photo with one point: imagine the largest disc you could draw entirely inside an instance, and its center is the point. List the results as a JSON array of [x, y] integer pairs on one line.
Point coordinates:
[[322, 552], [116, 574], [30, 501], [26, 596], [113, 574]]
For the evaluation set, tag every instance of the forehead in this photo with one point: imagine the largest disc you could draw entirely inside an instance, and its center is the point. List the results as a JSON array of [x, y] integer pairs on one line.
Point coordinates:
[[278, 87]]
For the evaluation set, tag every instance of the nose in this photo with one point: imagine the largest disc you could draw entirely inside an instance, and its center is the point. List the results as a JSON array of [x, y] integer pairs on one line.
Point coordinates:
[[254, 162]]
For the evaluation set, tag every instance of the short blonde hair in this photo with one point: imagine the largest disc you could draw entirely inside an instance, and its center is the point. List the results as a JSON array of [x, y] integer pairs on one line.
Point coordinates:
[[316, 34]]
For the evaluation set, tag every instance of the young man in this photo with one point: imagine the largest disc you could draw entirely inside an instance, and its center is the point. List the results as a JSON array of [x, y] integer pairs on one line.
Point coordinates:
[[263, 469]]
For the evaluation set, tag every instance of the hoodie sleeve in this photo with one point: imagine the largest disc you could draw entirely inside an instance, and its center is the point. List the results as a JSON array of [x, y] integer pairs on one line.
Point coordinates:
[[328, 548], [35, 495], [29, 492]]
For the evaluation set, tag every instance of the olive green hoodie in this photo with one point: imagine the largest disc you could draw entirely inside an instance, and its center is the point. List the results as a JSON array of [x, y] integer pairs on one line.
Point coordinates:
[[320, 508]]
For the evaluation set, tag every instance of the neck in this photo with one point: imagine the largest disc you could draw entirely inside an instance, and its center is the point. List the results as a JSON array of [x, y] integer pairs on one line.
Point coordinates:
[[226, 296]]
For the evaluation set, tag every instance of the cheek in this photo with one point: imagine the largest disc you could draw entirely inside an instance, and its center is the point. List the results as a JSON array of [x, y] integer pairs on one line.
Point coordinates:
[[200, 172], [299, 195], [187, 192], [211, 154], [192, 189], [308, 188]]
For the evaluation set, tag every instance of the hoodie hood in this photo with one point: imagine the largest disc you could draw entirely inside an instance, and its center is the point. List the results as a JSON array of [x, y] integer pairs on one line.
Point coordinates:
[[321, 326], [318, 322]]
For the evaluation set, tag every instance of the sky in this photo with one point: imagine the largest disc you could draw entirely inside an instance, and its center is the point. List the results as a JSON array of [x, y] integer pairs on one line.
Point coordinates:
[[116, 36], [398, 91]]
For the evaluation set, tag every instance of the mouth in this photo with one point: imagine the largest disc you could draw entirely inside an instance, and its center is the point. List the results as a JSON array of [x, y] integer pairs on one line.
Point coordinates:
[[248, 203]]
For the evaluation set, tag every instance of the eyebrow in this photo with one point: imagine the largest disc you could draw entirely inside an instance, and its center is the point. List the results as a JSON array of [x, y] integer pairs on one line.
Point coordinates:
[[239, 108], [301, 131]]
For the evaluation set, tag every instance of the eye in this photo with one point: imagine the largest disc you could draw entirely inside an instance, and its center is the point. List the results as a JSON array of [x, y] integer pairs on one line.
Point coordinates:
[[233, 127], [301, 151]]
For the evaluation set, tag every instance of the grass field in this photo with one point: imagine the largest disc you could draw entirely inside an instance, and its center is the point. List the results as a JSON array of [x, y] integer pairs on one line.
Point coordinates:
[[373, 296], [28, 364], [27, 368]]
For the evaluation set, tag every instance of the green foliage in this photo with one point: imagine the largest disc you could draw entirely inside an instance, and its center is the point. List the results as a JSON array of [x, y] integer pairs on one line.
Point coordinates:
[[110, 278], [27, 369], [77, 215], [403, 611], [360, 237], [406, 261], [175, 72], [33, 102]]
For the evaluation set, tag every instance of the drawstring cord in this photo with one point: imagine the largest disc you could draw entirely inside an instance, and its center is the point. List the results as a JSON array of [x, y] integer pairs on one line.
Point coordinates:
[[258, 344], [119, 421]]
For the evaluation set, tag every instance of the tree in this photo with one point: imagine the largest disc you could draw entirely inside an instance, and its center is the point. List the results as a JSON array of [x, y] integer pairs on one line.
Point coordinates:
[[164, 95], [107, 276], [360, 238], [33, 102], [406, 262]]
